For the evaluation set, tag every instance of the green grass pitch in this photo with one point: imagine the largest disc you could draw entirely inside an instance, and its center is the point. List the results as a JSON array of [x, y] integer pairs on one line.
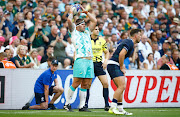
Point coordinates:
[[138, 112]]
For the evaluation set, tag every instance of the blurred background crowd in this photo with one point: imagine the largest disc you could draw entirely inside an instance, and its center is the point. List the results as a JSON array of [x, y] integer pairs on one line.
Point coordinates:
[[34, 32]]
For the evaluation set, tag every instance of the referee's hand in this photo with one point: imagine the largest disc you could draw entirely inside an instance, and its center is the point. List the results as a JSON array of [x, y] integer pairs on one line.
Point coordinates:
[[104, 65]]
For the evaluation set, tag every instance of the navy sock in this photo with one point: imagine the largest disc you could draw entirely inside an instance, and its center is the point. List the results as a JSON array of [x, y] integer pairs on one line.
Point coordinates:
[[114, 100], [119, 103], [87, 99], [106, 95]]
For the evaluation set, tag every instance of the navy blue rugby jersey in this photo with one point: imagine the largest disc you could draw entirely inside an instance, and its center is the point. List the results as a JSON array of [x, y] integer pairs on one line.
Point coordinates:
[[126, 44]]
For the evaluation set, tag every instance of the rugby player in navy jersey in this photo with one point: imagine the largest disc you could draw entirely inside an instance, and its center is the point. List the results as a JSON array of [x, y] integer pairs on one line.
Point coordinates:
[[117, 71]]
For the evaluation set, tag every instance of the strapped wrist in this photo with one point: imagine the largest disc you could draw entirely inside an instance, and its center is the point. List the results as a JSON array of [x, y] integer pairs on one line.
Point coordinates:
[[85, 12]]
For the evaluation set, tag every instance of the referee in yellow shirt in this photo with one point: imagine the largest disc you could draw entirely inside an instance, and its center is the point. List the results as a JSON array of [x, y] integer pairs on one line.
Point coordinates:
[[98, 47]]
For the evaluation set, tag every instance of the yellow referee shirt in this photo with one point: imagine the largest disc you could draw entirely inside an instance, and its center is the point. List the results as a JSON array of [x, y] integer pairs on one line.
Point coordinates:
[[98, 46]]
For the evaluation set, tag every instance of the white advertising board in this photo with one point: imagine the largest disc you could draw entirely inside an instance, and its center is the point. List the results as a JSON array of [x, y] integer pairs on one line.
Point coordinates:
[[143, 88]]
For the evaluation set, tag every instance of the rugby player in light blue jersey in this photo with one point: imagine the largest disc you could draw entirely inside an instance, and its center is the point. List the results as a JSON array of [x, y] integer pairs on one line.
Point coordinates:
[[83, 70]]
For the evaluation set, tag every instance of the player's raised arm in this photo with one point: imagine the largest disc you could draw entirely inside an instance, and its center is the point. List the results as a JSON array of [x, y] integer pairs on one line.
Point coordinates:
[[70, 21], [91, 17]]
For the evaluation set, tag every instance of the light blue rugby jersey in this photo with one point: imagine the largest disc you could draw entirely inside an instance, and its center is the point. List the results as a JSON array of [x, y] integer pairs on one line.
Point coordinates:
[[82, 43]]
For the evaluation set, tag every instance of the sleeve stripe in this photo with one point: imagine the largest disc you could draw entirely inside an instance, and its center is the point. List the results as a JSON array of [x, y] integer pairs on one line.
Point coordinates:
[[125, 48]]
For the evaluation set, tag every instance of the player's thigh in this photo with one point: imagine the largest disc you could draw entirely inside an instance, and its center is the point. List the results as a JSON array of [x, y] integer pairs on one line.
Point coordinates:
[[57, 89], [104, 81], [80, 68], [114, 71], [76, 82], [120, 82], [86, 83]]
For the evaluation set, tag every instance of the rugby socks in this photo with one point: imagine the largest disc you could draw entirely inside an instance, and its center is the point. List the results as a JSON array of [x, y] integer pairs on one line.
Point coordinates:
[[114, 103], [70, 94], [105, 95], [87, 98], [120, 106], [82, 96]]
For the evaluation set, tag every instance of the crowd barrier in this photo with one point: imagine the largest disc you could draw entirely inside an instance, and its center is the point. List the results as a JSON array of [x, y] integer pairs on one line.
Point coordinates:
[[145, 88]]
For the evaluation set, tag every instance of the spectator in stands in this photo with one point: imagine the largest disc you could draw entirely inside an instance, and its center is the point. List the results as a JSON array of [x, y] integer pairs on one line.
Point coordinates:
[[4, 63], [20, 31], [115, 5], [31, 29], [153, 37], [160, 61], [40, 51], [27, 21], [49, 53], [17, 7], [119, 31], [13, 43], [58, 21], [18, 16], [165, 47], [173, 46], [6, 26], [129, 23], [135, 62], [155, 27], [176, 58], [37, 15], [109, 42], [24, 42], [9, 8], [46, 65], [156, 54], [38, 39], [70, 49], [21, 60], [114, 40], [45, 28], [2, 40], [144, 47], [142, 8], [166, 65], [147, 29], [141, 22], [59, 49], [123, 36], [9, 55], [149, 62], [3, 56], [64, 32], [52, 36], [174, 36], [33, 56]]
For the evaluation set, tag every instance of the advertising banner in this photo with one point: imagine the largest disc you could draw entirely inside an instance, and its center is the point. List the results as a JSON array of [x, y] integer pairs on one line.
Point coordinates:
[[144, 88]]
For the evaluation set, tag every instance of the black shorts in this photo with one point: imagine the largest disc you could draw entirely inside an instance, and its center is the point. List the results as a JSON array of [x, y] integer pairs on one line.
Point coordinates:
[[98, 69], [40, 97], [114, 71]]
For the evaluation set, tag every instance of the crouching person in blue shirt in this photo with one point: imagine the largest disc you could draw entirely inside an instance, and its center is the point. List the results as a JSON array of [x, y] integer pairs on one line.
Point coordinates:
[[43, 87]]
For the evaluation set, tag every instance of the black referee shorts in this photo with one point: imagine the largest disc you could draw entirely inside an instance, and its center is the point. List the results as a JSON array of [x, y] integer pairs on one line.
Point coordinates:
[[98, 69]]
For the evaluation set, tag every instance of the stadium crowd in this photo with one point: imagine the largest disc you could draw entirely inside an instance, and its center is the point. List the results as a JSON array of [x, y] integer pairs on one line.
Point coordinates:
[[33, 32]]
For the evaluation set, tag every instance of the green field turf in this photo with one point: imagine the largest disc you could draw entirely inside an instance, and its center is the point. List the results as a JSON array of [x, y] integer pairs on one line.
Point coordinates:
[[140, 112]]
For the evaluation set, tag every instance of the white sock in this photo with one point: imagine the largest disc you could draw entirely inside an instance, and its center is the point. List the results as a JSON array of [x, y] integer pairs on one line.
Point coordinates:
[[120, 107], [70, 94], [82, 97], [113, 104]]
